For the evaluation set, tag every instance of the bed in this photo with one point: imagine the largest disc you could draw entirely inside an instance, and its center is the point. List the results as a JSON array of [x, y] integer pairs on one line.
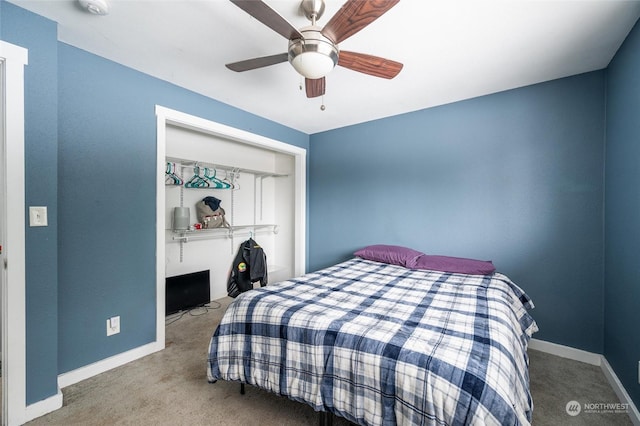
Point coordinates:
[[381, 344]]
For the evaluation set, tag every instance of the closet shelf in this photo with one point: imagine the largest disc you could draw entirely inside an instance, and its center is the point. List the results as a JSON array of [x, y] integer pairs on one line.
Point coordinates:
[[190, 164], [203, 234]]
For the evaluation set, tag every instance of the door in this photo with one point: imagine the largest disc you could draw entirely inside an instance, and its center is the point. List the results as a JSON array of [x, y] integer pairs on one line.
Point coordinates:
[[12, 238], [3, 225]]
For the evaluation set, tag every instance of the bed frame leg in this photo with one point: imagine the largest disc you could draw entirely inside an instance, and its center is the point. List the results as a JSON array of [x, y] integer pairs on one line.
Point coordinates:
[[325, 419], [241, 388]]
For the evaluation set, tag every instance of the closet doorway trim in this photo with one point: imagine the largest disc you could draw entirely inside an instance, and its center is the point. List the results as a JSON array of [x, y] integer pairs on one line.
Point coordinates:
[[166, 116]]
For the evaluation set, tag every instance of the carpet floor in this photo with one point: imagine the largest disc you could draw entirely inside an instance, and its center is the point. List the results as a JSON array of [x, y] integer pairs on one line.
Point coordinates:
[[170, 388]]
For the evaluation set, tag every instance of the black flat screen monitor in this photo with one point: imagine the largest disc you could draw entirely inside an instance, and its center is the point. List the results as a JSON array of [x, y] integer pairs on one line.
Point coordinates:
[[187, 291]]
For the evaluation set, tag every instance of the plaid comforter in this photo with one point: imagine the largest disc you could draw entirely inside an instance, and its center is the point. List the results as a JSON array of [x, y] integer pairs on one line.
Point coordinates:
[[381, 345]]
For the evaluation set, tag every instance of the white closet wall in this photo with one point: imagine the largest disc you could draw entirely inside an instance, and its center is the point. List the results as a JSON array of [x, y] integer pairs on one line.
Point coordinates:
[[265, 195]]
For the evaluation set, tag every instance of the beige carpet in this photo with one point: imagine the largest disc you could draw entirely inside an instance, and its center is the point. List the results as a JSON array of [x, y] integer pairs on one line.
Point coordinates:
[[170, 388]]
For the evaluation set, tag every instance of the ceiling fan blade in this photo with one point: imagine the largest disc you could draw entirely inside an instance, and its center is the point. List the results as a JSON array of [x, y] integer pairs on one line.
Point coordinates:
[[315, 87], [353, 16], [264, 61], [272, 19], [369, 64]]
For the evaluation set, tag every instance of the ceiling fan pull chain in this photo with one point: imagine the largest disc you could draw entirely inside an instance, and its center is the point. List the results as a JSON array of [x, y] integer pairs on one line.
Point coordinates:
[[322, 107]]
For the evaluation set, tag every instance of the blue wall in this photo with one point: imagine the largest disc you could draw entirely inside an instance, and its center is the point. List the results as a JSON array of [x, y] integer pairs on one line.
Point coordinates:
[[107, 178], [91, 123], [622, 224], [39, 35], [515, 177]]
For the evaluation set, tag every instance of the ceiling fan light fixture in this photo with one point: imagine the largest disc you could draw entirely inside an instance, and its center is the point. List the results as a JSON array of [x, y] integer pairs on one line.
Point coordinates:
[[314, 56], [313, 65]]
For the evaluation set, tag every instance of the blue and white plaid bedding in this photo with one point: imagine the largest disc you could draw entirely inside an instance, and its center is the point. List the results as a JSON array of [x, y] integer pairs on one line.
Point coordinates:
[[381, 345]]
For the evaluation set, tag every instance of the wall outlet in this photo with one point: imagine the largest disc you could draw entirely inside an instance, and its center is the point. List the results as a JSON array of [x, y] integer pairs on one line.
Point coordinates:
[[113, 326]]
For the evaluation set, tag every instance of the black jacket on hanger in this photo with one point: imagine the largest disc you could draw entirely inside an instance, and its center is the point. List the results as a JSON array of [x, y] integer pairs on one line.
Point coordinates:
[[249, 266]]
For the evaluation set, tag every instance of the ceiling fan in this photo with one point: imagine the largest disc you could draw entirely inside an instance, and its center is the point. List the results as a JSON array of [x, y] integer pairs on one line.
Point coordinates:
[[313, 50]]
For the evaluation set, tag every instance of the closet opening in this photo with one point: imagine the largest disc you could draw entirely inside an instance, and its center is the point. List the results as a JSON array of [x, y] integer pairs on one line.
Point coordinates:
[[258, 182]]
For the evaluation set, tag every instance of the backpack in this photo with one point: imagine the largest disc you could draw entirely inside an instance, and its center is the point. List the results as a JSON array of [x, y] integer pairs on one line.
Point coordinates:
[[211, 218]]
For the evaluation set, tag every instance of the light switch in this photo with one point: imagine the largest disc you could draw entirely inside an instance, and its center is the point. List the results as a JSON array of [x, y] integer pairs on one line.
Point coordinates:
[[38, 216]]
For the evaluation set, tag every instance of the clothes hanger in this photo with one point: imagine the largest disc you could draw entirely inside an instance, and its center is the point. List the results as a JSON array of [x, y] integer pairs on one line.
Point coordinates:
[[228, 181], [211, 179], [171, 178], [177, 179], [168, 179], [196, 180], [217, 183], [231, 178]]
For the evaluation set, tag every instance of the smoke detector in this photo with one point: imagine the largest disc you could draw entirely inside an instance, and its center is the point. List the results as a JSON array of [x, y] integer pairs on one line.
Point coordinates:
[[97, 7]]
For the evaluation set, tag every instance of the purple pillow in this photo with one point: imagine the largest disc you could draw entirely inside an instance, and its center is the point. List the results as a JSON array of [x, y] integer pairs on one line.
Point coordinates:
[[453, 264], [394, 255]]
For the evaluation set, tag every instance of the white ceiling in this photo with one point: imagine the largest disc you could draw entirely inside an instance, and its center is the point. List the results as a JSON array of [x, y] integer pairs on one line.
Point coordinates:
[[451, 50]]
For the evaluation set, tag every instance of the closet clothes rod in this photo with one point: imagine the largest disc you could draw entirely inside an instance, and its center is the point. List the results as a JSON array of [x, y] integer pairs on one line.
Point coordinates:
[[191, 164]]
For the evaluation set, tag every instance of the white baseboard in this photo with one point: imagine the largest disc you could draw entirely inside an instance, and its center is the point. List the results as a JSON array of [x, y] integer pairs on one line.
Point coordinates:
[[55, 402], [566, 352], [593, 359], [616, 384], [107, 364], [43, 407]]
